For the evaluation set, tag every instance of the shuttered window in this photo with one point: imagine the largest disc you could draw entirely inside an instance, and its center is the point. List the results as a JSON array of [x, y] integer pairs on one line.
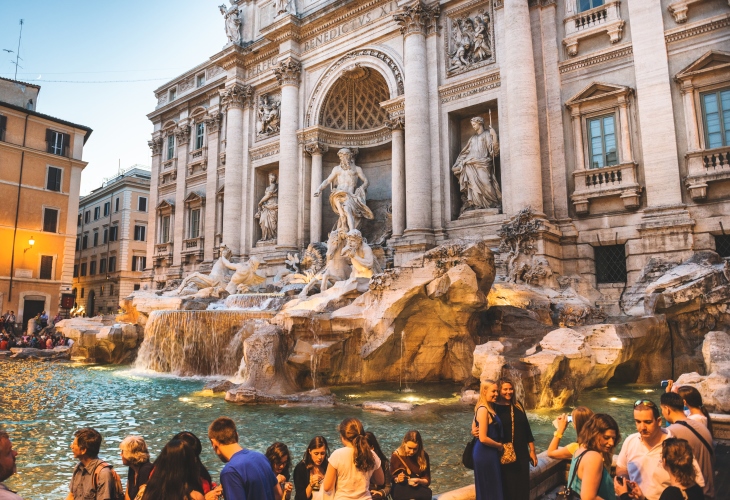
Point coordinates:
[[46, 267], [140, 233], [57, 142], [53, 180], [3, 126], [50, 220]]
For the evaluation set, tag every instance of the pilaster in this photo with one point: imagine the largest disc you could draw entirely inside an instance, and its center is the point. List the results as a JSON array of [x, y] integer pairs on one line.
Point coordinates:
[[315, 150], [182, 138], [212, 129]]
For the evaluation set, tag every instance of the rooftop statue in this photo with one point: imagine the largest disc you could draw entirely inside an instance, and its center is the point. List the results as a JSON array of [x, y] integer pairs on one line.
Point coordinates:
[[474, 168], [233, 21], [347, 200]]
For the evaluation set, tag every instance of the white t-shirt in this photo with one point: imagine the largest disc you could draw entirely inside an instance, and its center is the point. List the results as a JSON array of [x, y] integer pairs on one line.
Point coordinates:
[[351, 484], [699, 417], [645, 466]]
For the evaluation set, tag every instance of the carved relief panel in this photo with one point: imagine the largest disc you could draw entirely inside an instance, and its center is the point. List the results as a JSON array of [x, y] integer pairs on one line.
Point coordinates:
[[268, 109], [469, 40]]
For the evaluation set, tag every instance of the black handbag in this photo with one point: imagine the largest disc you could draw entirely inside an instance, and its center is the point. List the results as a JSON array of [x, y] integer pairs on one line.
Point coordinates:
[[467, 458], [567, 492]]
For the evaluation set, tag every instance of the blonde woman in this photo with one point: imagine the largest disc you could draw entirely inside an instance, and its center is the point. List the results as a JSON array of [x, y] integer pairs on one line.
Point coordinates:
[[580, 415], [487, 427], [137, 458]]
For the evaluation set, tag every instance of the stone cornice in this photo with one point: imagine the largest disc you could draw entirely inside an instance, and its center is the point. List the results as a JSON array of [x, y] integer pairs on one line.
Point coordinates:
[[344, 138], [417, 18], [285, 28], [235, 57], [309, 29], [469, 87], [288, 72], [265, 151], [395, 107], [698, 28], [236, 96], [624, 50]]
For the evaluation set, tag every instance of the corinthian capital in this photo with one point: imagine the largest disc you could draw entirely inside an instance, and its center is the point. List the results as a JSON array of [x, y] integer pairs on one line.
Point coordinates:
[[316, 148], [155, 145], [213, 123], [396, 123], [236, 96], [288, 72], [417, 18], [182, 134]]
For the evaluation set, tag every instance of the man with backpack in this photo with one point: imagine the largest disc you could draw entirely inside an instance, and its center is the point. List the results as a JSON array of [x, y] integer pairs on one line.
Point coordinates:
[[92, 477]]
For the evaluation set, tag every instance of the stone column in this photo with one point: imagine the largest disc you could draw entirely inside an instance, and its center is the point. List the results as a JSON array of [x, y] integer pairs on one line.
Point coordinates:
[[156, 146], [288, 76], [525, 167], [398, 175], [316, 150], [415, 21], [182, 136], [580, 160], [623, 116], [212, 129], [233, 99], [656, 113], [690, 116]]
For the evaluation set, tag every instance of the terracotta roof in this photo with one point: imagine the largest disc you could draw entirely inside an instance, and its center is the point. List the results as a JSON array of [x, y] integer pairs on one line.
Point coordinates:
[[21, 82]]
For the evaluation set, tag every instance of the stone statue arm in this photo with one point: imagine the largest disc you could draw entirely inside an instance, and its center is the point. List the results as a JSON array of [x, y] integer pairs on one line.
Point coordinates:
[[328, 180], [267, 196], [361, 176], [495, 142]]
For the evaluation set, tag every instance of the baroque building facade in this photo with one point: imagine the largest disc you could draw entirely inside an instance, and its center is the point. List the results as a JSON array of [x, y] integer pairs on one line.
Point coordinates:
[[610, 119], [111, 242]]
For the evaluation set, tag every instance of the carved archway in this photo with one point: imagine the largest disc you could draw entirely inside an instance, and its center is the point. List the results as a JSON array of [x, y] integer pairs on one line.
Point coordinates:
[[377, 59]]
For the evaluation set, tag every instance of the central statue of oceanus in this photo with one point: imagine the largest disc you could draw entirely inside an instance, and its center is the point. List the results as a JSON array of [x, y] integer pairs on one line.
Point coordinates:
[[347, 199], [474, 168]]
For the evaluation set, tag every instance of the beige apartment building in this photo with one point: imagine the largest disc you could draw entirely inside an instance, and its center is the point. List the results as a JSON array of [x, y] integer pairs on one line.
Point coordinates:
[[111, 241], [612, 119], [40, 174]]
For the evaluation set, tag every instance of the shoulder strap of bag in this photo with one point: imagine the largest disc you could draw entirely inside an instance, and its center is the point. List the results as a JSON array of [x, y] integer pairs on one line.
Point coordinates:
[[97, 471], [408, 469], [575, 470], [699, 436], [512, 415]]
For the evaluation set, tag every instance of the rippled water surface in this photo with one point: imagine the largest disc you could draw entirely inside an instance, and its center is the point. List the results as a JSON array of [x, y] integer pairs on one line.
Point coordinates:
[[42, 404]]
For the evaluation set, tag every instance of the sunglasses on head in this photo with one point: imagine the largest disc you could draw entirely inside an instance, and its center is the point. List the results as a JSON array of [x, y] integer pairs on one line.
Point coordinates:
[[644, 402]]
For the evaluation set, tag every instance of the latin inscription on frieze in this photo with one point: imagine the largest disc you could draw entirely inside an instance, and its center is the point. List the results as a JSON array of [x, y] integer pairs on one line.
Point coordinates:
[[262, 66]]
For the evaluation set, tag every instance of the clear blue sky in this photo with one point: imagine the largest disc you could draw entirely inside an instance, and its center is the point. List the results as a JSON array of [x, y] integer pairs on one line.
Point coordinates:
[[84, 40]]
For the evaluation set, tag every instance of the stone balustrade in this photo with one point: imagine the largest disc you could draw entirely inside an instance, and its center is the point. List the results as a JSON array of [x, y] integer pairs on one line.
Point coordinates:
[[704, 167], [194, 246], [605, 18], [618, 180]]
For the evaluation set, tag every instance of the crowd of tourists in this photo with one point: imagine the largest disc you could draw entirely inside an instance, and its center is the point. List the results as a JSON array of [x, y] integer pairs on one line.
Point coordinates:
[[40, 334], [655, 463]]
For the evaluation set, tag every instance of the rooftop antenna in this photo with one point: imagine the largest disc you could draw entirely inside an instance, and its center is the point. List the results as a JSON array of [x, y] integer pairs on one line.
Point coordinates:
[[17, 54]]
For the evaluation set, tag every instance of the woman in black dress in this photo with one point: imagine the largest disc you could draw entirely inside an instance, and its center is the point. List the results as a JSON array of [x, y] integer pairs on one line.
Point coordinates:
[[309, 473], [515, 476]]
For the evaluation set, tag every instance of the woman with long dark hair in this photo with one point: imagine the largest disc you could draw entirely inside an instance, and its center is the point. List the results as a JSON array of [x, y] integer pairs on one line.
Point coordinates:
[[693, 400], [352, 467], [589, 474], [280, 460], [309, 473], [175, 474], [515, 430], [411, 469], [192, 440], [487, 428], [380, 491]]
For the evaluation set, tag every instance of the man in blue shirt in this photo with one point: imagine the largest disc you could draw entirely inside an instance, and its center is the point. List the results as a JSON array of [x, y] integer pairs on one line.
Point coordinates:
[[247, 474]]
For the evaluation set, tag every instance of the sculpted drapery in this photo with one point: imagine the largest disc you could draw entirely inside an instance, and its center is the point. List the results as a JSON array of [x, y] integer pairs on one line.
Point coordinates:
[[474, 168]]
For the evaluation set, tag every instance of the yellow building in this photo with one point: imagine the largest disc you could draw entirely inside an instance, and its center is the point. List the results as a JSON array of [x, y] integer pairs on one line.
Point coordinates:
[[40, 176]]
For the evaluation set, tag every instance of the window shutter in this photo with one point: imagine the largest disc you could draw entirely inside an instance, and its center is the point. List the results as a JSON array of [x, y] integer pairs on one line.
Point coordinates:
[[50, 220], [66, 145], [46, 267], [49, 140], [3, 125], [58, 179]]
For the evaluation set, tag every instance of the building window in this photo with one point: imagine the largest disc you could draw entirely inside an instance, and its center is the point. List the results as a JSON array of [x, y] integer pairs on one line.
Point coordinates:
[[92, 268], [102, 265], [116, 205], [584, 5], [111, 291], [142, 204], [82, 293], [3, 126], [83, 271], [199, 135], [105, 238], [57, 142], [76, 270], [46, 267], [165, 229], [136, 287], [716, 111], [97, 213], [139, 263], [200, 79], [722, 245], [610, 264], [78, 243], [78, 221], [602, 141], [106, 208], [114, 233], [170, 147], [140, 233], [50, 220], [173, 94], [194, 229], [53, 179], [85, 242], [96, 238], [87, 216], [112, 264]]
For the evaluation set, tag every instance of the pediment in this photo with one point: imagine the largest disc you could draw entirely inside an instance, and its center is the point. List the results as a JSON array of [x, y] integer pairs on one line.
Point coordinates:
[[713, 60], [165, 205], [195, 197], [596, 91]]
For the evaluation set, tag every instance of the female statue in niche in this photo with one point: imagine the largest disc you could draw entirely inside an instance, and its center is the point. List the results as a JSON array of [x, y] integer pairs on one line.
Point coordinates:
[[474, 168], [268, 212]]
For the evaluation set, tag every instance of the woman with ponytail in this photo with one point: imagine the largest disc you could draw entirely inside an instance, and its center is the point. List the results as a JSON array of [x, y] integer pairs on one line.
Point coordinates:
[[352, 466], [693, 400]]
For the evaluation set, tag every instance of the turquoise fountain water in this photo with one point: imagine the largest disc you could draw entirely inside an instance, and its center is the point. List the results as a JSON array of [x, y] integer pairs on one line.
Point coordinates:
[[42, 404]]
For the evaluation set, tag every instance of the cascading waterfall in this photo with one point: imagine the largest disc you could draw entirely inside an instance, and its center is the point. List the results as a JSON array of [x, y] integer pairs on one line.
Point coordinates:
[[403, 376], [517, 385], [195, 342], [256, 301]]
